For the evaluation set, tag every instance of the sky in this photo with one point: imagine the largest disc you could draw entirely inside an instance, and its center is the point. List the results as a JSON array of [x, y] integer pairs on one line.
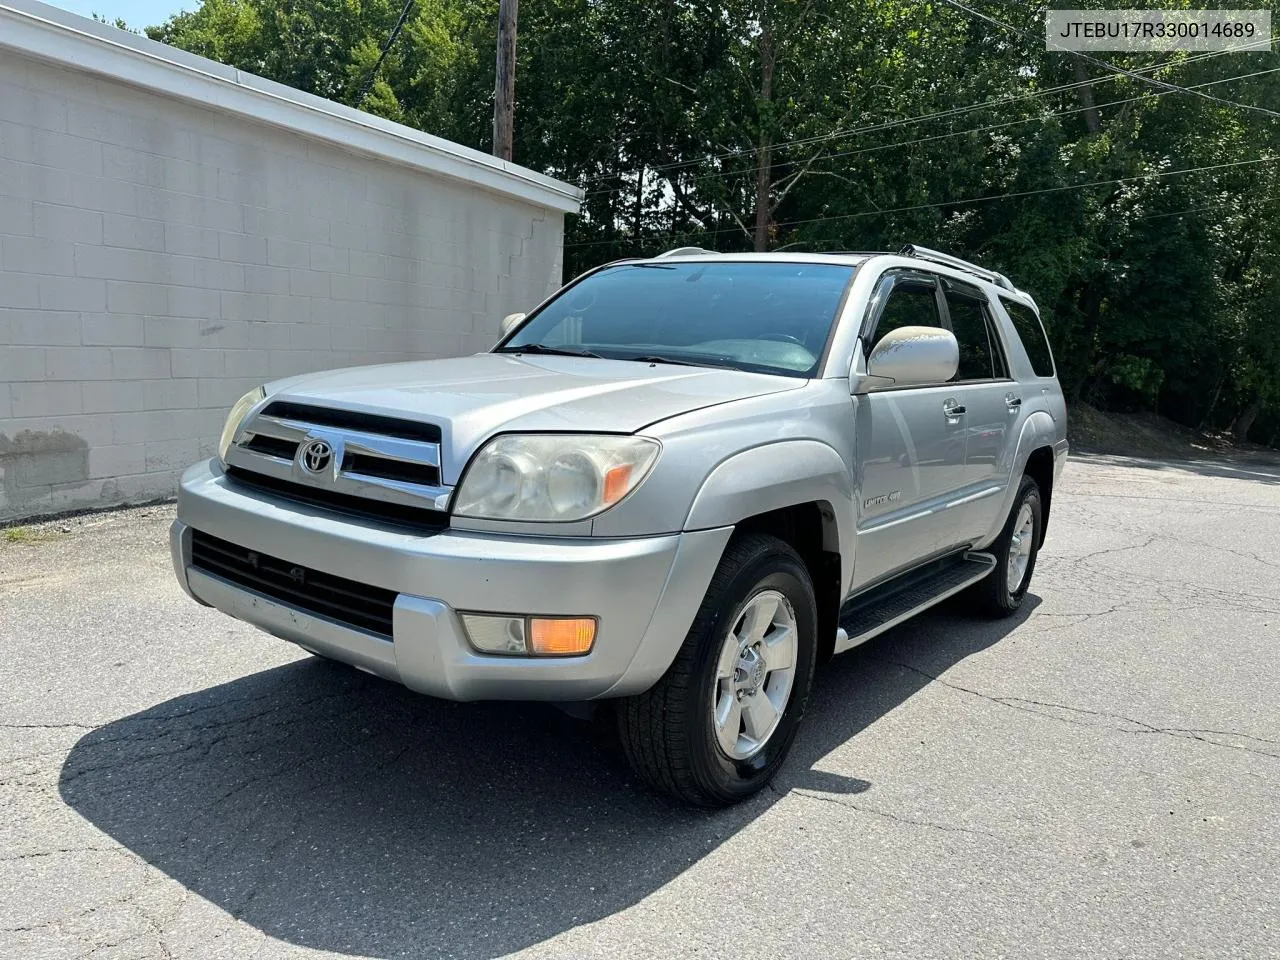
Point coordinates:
[[136, 13]]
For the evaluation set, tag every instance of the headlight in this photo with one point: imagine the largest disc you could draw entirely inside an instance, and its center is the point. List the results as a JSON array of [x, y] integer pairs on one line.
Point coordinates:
[[236, 417], [552, 477]]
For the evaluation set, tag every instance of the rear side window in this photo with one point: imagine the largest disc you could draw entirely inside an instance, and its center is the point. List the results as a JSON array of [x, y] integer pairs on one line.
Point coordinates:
[[1031, 333], [980, 357]]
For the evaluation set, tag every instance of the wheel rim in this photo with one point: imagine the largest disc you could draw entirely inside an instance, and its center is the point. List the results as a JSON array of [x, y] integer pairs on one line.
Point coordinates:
[[754, 674], [1024, 529]]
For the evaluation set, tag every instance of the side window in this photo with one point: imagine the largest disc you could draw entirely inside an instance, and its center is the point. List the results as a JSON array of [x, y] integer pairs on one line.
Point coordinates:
[[911, 304], [1032, 335], [980, 356]]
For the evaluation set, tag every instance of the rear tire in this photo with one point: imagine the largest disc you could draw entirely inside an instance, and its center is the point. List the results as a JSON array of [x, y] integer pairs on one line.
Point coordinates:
[[1015, 550], [698, 733]]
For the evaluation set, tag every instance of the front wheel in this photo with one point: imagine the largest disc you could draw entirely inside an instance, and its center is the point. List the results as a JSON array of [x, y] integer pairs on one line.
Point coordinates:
[[718, 725], [1016, 549]]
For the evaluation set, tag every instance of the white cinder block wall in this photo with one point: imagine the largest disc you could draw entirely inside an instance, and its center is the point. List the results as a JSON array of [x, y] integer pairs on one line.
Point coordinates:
[[159, 257]]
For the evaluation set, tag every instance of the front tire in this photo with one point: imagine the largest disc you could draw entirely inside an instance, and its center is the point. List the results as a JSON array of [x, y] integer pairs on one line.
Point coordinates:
[[1015, 550], [718, 725]]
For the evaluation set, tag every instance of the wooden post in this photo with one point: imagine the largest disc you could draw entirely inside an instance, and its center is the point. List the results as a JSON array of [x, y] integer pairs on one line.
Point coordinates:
[[504, 88]]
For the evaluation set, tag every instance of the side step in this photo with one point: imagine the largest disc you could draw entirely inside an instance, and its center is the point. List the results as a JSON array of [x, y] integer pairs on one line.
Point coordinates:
[[888, 606]]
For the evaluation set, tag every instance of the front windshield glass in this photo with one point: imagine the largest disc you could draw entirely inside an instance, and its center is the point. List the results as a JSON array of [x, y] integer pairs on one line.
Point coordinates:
[[754, 316]]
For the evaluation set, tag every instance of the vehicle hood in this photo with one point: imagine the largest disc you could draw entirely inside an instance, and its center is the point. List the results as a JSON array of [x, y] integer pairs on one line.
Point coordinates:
[[473, 398]]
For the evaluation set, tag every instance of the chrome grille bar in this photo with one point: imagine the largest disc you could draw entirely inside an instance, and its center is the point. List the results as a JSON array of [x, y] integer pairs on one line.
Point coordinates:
[[359, 463]]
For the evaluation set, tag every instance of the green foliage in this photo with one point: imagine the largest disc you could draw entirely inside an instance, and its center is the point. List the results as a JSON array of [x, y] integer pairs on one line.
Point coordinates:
[[1160, 289]]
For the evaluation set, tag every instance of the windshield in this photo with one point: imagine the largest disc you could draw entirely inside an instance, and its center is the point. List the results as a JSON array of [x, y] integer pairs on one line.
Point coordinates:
[[754, 316]]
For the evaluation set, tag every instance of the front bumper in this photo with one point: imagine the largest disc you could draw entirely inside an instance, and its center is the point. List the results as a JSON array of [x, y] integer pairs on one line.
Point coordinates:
[[645, 592]]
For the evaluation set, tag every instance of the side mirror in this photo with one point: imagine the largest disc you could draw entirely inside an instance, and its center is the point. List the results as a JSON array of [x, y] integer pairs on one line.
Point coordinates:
[[906, 357], [508, 322]]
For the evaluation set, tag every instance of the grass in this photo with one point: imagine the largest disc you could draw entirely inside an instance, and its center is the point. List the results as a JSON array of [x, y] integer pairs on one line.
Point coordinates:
[[27, 535]]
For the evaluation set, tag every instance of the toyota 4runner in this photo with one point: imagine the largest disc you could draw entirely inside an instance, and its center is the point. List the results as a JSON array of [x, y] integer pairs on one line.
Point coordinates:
[[679, 484]]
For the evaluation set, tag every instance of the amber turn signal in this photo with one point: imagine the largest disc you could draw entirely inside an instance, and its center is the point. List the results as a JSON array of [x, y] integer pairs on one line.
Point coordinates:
[[561, 637]]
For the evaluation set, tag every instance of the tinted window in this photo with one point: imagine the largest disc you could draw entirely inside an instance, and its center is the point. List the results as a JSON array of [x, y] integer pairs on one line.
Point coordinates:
[[764, 317], [980, 357], [1031, 333], [909, 305]]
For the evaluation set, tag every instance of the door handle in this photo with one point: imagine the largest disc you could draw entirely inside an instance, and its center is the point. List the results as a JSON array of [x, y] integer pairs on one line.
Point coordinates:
[[951, 409], [1012, 402]]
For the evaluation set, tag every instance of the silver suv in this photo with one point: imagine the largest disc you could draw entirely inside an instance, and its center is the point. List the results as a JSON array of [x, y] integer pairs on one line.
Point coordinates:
[[679, 484]]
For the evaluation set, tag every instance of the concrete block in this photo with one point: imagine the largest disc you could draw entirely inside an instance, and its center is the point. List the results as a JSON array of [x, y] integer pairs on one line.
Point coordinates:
[[21, 363], [176, 454], [229, 334], [119, 230], [36, 255], [15, 216], [223, 392], [308, 283], [56, 222], [269, 336], [39, 327], [288, 253], [264, 279], [19, 290], [247, 363], [35, 108], [171, 331], [218, 274], [113, 396], [146, 427], [169, 394], [125, 296], [36, 182], [139, 363], [111, 330], [201, 362], [190, 241], [192, 302], [116, 460], [77, 363], [242, 248], [243, 306], [138, 265], [45, 399], [73, 293]]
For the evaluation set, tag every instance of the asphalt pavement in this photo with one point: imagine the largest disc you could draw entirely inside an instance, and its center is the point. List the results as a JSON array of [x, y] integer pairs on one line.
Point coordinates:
[[1098, 777]]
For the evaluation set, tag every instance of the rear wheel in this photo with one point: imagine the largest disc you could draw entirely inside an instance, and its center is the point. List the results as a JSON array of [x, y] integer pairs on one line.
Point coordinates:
[[720, 722], [1016, 549]]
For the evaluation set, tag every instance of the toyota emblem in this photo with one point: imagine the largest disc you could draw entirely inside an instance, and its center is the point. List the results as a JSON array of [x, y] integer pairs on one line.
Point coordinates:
[[315, 455]]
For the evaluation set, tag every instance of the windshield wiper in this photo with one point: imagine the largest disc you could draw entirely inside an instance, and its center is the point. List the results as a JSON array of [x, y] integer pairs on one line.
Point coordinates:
[[544, 349], [694, 360]]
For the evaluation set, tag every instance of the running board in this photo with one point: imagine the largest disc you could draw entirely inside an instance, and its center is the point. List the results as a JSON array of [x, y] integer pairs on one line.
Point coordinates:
[[871, 618]]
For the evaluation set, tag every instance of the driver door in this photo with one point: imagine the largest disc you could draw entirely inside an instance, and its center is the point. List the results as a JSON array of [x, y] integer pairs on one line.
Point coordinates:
[[909, 445]]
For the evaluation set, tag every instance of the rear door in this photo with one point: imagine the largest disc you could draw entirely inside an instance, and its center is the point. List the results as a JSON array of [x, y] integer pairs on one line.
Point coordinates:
[[910, 449], [992, 404]]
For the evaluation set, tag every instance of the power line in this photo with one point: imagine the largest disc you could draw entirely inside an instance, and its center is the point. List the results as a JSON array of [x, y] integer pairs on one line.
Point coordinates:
[[373, 74], [965, 201], [907, 121], [1112, 67], [959, 133]]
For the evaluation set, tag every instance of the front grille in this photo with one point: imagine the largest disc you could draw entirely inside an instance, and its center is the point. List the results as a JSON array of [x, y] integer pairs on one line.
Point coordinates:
[[384, 468], [349, 505], [345, 601]]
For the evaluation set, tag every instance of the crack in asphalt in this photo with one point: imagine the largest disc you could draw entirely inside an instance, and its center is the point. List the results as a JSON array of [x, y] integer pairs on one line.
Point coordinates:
[[1142, 727], [896, 818]]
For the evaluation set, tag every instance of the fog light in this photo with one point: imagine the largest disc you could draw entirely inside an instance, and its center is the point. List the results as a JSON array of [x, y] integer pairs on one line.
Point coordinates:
[[561, 637], [530, 636], [495, 634]]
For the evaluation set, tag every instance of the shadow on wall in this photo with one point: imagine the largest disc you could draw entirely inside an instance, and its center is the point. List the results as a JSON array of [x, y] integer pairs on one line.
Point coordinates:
[[33, 462], [335, 811]]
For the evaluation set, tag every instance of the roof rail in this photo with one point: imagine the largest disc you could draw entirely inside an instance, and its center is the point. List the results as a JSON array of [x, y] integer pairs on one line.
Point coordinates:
[[685, 252], [933, 256]]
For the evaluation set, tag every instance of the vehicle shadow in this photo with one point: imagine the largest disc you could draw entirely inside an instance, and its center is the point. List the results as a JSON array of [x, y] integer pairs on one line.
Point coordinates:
[[336, 811]]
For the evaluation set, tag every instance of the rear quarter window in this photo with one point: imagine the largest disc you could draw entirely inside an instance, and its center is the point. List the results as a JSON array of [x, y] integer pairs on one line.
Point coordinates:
[[1031, 333]]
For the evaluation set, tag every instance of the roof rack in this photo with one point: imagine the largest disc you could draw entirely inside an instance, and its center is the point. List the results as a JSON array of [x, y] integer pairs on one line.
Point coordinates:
[[933, 256], [685, 252]]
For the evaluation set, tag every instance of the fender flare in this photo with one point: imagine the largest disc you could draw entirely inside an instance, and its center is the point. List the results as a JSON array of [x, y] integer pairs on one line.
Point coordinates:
[[777, 475], [1038, 431]]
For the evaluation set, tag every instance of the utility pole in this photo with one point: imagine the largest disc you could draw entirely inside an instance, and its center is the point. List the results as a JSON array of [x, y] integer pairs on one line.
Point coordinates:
[[504, 88]]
